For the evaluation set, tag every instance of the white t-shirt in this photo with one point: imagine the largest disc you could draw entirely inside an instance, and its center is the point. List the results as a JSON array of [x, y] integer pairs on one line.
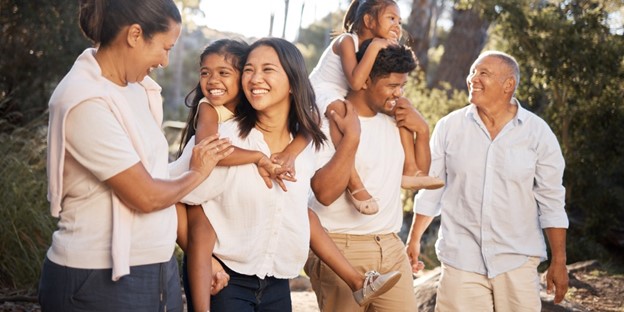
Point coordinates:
[[260, 231], [379, 162], [97, 149]]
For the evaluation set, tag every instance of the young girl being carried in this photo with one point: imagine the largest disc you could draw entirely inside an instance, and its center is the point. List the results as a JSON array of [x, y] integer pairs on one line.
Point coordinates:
[[338, 71], [213, 102]]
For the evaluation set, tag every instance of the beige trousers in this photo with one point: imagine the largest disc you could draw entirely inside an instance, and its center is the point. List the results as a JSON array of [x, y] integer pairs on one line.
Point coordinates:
[[516, 290], [382, 253]]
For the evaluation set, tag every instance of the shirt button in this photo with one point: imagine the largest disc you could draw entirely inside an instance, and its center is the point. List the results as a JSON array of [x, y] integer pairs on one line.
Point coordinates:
[[377, 238]]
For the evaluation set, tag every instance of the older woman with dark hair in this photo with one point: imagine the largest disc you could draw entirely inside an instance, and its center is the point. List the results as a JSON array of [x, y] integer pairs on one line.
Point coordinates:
[[107, 167]]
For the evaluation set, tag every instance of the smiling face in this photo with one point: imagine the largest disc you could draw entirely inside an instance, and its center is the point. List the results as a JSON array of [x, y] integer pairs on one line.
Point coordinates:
[[388, 24], [383, 93], [152, 53], [264, 80], [490, 81], [219, 80]]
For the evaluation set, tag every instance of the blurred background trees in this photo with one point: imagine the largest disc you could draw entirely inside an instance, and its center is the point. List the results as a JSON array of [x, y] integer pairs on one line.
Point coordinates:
[[571, 54], [39, 42]]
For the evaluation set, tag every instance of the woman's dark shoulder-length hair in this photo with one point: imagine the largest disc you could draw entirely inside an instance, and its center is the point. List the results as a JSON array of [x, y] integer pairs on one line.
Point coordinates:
[[304, 116]]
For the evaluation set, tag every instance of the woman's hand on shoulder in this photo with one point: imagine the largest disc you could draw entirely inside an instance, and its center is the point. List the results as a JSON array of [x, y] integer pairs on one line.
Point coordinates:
[[208, 152]]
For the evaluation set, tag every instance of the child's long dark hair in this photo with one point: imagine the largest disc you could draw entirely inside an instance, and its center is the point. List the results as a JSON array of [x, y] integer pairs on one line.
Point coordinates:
[[235, 52], [304, 115], [353, 20]]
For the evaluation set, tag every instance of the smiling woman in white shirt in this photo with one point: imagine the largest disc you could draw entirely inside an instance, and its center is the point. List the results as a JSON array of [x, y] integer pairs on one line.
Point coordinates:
[[263, 234]]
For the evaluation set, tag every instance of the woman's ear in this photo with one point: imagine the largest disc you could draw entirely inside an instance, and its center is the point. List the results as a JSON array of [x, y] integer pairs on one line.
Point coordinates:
[[135, 33]]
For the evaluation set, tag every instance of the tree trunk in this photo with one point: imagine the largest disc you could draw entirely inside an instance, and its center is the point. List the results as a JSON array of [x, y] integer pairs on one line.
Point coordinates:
[[300, 20], [463, 45], [271, 24], [286, 2], [418, 29]]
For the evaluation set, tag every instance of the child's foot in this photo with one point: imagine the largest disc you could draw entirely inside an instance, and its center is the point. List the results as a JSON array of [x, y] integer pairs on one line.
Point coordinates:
[[375, 285], [421, 181], [363, 202]]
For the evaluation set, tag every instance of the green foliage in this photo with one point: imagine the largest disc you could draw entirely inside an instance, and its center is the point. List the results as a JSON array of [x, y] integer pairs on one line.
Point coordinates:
[[25, 223], [434, 103], [39, 42], [313, 40]]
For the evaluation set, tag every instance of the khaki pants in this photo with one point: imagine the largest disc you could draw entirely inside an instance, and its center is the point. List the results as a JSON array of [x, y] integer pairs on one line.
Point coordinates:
[[382, 253], [516, 290]]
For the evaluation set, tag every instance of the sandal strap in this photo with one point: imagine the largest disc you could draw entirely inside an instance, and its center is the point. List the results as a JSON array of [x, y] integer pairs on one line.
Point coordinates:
[[368, 281], [357, 191]]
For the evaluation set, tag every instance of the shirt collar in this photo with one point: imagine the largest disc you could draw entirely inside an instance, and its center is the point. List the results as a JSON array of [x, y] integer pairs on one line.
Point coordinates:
[[521, 115]]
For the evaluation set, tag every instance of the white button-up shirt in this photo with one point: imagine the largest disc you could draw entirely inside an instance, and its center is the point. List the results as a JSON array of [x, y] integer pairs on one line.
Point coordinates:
[[499, 193], [260, 231]]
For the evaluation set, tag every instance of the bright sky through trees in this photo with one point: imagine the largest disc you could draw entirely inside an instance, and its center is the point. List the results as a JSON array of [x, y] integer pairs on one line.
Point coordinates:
[[252, 17]]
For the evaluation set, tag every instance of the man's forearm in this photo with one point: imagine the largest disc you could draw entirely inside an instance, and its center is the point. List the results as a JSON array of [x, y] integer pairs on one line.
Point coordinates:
[[330, 181], [557, 242], [420, 223]]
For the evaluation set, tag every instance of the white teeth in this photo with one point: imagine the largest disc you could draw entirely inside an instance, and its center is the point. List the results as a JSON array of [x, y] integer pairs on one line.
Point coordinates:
[[259, 91], [217, 91], [152, 68]]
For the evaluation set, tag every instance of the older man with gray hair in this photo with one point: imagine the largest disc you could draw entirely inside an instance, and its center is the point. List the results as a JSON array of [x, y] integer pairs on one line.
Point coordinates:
[[503, 170]]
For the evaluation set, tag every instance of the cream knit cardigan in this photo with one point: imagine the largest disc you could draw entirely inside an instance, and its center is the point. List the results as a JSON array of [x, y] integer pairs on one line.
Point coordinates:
[[85, 82]]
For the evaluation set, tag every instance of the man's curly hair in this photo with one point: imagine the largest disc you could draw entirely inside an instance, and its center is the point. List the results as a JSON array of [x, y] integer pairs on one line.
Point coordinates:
[[392, 59]]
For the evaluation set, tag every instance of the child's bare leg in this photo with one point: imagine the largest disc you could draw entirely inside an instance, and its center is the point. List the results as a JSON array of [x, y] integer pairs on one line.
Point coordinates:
[[417, 159], [182, 238], [363, 201], [324, 248], [422, 151], [201, 241], [410, 167]]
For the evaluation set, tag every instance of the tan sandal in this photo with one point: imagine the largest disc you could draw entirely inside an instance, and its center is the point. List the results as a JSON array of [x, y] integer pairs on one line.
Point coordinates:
[[421, 181], [367, 206]]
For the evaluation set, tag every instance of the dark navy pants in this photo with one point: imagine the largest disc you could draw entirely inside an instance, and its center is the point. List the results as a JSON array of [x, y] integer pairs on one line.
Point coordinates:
[[247, 293], [153, 287]]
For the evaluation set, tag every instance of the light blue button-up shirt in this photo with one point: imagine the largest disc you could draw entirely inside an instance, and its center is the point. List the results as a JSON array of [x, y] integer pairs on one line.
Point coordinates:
[[499, 193]]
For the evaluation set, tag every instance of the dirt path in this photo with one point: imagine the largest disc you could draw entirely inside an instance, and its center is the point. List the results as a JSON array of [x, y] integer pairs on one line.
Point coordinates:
[[304, 301]]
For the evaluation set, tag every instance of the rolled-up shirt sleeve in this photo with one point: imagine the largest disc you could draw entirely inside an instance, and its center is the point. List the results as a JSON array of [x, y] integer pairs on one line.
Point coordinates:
[[427, 202], [548, 188]]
